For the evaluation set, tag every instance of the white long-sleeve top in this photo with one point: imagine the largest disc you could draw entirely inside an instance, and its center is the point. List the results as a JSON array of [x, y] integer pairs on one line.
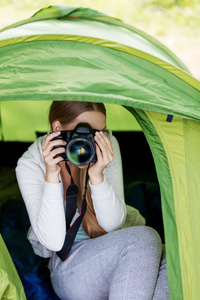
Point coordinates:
[[44, 201]]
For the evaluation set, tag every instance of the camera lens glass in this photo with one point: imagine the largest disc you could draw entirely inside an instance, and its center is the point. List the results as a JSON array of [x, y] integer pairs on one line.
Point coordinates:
[[80, 152]]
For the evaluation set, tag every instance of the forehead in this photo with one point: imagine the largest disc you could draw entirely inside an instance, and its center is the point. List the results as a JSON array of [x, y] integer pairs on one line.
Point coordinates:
[[96, 119]]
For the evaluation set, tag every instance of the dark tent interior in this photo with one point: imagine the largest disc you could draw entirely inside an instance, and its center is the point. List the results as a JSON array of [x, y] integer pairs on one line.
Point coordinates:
[[141, 191]]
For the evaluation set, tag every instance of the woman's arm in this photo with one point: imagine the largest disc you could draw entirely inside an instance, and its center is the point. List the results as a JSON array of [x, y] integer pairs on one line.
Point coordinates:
[[108, 196], [43, 200]]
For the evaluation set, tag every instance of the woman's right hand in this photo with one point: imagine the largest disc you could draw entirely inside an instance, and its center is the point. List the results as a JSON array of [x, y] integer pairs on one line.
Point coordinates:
[[51, 163]]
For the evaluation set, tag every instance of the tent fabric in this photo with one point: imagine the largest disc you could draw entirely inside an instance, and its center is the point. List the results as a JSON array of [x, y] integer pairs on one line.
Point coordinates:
[[68, 53], [168, 210], [11, 286], [179, 140], [55, 12], [132, 68]]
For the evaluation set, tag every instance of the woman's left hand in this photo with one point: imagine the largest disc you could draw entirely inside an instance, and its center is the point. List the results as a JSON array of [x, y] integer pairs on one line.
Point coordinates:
[[104, 152]]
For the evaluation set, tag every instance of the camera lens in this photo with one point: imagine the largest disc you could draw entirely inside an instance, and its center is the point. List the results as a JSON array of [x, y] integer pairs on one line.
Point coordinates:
[[80, 152]]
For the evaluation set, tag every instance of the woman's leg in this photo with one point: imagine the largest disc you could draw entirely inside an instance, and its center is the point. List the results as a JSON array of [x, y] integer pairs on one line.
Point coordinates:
[[162, 289], [123, 264]]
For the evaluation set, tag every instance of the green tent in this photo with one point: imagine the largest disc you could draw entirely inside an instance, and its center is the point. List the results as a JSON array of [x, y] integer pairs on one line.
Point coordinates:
[[11, 286], [70, 53]]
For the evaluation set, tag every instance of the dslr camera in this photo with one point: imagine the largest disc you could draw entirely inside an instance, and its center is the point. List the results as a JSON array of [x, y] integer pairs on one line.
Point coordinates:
[[80, 148]]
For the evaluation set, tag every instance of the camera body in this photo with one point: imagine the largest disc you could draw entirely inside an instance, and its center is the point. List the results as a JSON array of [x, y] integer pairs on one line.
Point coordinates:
[[81, 147]]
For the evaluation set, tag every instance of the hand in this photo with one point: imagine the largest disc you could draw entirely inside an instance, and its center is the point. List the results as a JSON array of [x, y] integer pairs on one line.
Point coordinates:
[[51, 163], [104, 152]]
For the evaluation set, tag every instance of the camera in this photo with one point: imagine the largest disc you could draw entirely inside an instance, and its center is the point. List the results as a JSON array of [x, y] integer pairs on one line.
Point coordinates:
[[80, 148]]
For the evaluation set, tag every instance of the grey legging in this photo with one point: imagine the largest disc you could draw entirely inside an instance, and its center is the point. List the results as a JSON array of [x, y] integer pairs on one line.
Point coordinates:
[[123, 264]]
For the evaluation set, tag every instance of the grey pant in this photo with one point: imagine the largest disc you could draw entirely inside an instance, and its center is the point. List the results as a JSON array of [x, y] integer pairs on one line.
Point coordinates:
[[123, 264]]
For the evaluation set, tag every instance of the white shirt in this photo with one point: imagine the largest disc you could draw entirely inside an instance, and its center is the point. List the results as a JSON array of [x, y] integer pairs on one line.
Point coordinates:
[[44, 201]]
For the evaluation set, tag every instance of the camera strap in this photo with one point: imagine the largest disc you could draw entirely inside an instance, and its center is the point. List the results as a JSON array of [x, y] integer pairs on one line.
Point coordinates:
[[70, 210]]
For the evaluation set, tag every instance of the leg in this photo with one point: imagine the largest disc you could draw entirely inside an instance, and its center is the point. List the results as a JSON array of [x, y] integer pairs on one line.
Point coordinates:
[[162, 289], [119, 265], [136, 274]]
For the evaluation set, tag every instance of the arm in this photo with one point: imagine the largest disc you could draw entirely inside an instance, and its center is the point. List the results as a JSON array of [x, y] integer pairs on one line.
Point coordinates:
[[43, 200], [108, 196]]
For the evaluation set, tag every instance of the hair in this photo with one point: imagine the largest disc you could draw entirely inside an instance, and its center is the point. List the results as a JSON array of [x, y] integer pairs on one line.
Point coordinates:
[[66, 112]]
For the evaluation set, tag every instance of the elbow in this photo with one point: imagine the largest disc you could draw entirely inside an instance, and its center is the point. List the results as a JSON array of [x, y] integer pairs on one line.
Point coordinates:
[[53, 245], [53, 242], [41, 245], [122, 217], [55, 248], [115, 222]]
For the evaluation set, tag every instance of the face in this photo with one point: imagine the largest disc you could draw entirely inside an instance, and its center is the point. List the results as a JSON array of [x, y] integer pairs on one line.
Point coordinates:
[[97, 120]]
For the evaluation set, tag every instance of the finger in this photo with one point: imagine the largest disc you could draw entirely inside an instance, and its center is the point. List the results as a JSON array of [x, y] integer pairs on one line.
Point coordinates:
[[105, 155], [98, 153], [49, 138], [51, 155], [56, 143], [54, 161], [106, 141], [101, 145], [106, 144]]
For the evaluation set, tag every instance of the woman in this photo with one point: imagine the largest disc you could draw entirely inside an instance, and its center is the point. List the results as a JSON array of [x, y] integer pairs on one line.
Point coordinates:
[[104, 262]]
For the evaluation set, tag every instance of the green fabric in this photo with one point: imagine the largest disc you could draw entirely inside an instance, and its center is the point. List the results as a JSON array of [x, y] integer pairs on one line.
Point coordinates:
[[179, 139], [115, 63], [80, 27], [69, 53], [183, 149], [60, 12], [64, 11], [151, 124], [190, 227], [118, 78], [16, 116], [11, 286]]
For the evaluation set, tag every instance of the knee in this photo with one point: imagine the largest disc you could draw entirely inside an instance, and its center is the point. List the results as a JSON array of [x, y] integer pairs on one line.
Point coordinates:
[[145, 236], [150, 234]]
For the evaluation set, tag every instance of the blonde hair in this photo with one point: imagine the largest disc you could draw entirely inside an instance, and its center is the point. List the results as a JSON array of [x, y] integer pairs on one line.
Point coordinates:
[[66, 112]]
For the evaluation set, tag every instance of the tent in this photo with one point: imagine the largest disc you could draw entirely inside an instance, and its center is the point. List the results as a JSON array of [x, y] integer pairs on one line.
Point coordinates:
[[72, 53]]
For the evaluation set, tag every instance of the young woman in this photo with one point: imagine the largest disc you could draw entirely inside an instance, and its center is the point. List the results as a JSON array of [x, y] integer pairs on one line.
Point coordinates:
[[105, 262]]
